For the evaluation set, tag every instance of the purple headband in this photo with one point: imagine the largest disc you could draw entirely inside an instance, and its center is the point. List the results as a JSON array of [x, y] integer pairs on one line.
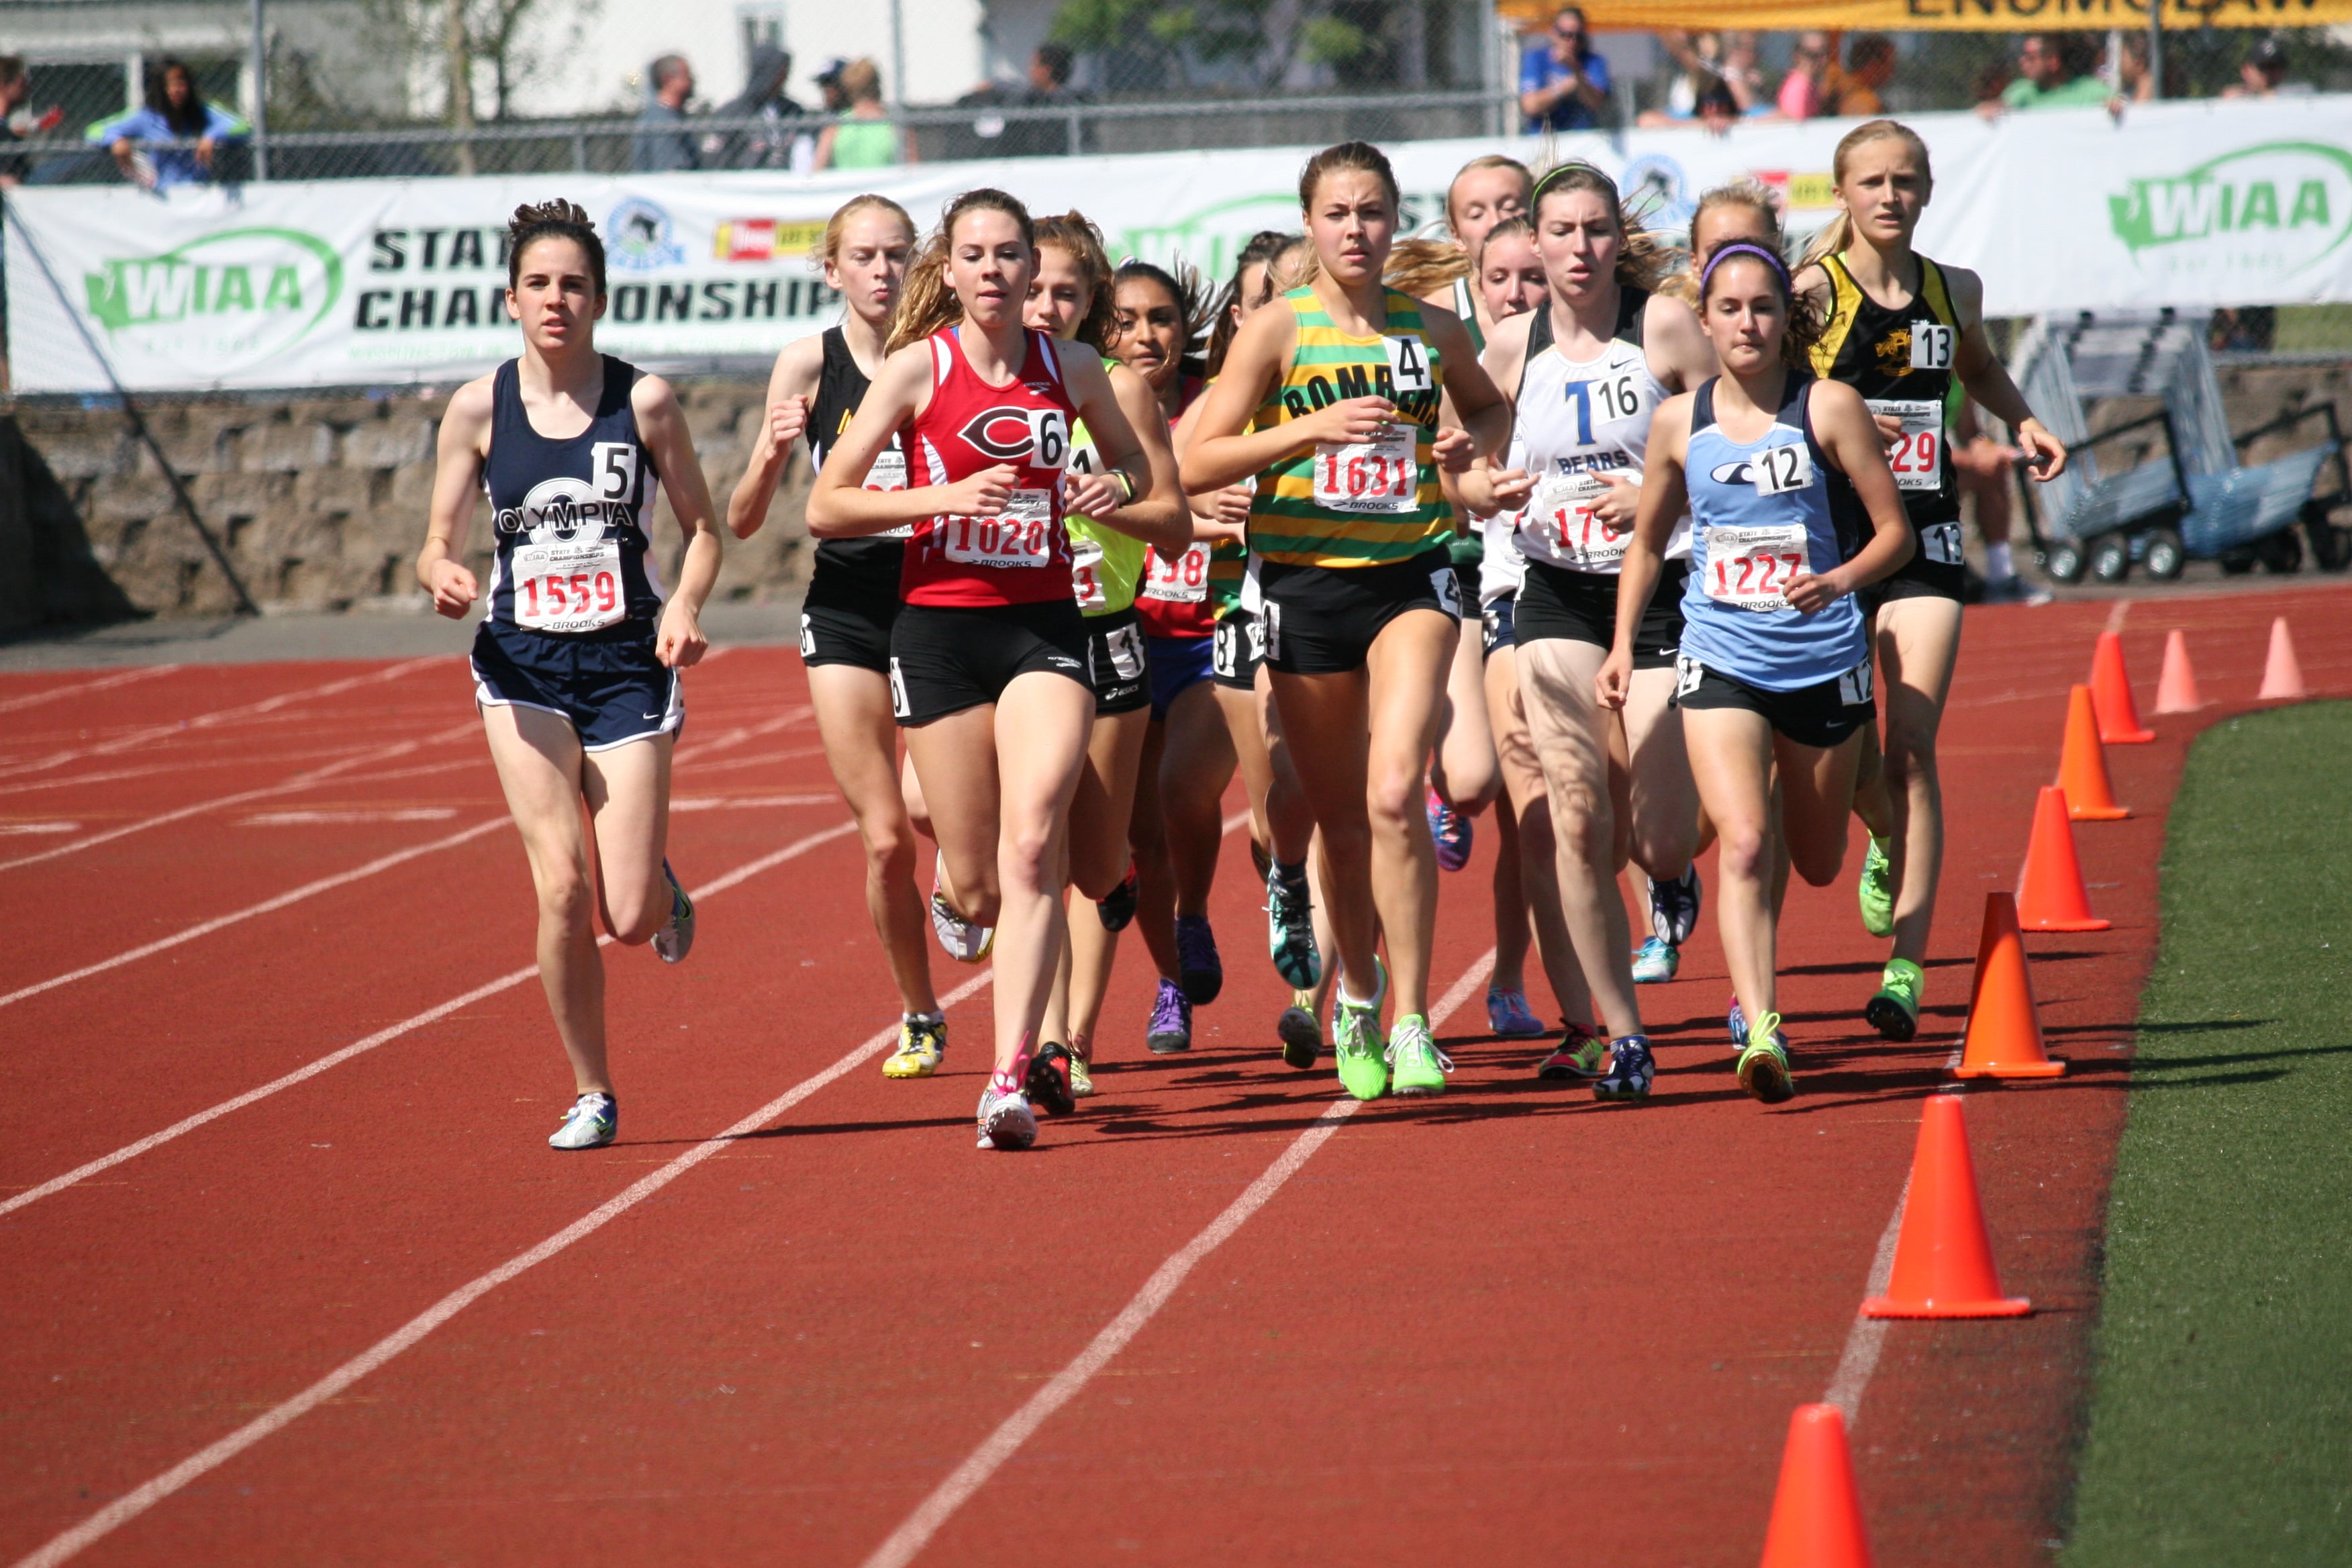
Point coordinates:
[[1743, 248]]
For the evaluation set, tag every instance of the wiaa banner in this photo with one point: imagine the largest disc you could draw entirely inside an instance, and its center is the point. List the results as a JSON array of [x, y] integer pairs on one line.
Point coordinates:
[[1937, 15], [380, 283]]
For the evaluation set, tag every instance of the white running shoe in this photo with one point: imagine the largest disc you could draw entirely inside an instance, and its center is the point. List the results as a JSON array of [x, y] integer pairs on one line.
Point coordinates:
[[965, 942], [1005, 1120], [676, 938], [591, 1123]]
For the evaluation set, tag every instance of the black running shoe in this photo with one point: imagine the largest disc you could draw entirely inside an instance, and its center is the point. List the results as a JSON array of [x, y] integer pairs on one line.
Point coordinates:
[[1118, 906], [1199, 969], [1049, 1084], [1674, 907]]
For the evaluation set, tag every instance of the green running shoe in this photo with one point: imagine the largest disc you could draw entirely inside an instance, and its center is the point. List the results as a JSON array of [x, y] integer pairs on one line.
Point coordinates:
[[1416, 1066], [1895, 1011], [1875, 890], [1359, 1042], [1764, 1065]]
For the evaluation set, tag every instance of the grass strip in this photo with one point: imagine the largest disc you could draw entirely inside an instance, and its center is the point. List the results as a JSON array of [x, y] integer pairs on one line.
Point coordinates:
[[2221, 1429]]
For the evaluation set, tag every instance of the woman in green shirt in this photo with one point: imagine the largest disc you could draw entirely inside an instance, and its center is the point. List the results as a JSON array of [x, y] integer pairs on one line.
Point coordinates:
[[866, 139]]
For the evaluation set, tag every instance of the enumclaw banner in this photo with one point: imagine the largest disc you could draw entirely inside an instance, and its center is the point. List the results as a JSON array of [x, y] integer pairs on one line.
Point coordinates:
[[1939, 16], [378, 283]]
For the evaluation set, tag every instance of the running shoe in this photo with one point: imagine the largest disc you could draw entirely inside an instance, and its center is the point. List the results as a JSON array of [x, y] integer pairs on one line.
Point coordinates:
[[1451, 829], [1736, 1023], [1416, 1066], [1875, 890], [1674, 907], [1290, 926], [591, 1123], [1507, 1015], [1895, 1011], [1655, 961], [921, 1043], [965, 942], [1048, 1085], [1630, 1070], [1116, 907], [1170, 1029], [1302, 1037], [1082, 1077], [1764, 1062], [1262, 858], [1577, 1055], [676, 938], [1005, 1120], [1359, 1041], [1198, 968], [2013, 589]]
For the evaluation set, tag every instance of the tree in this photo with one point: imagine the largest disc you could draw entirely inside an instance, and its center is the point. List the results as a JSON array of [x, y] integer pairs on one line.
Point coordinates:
[[1245, 35], [452, 43]]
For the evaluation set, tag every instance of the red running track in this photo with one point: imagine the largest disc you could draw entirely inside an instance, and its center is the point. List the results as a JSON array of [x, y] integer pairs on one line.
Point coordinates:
[[1506, 1325]]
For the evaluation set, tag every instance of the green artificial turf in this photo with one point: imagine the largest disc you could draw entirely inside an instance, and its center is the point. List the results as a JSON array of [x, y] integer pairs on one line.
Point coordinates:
[[2221, 1429]]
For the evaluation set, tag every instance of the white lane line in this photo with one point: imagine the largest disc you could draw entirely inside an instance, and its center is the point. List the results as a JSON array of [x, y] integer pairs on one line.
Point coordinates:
[[1868, 1335], [131, 1504], [358, 1047], [2118, 614], [301, 781], [81, 687], [730, 738], [745, 801], [910, 1539], [267, 906], [139, 737], [344, 818], [180, 766], [39, 828]]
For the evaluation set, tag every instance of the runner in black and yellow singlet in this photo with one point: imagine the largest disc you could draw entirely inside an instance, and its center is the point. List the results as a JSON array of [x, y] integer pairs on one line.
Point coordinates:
[[1335, 403], [1905, 333]]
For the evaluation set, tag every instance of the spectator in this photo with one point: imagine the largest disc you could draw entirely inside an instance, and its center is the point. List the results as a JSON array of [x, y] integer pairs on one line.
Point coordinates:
[[1718, 110], [1563, 83], [768, 144], [1800, 91], [148, 143], [1993, 80], [1854, 92], [663, 141], [828, 83], [14, 89], [1049, 76], [2263, 75], [1701, 59], [2054, 70], [865, 139], [1742, 72]]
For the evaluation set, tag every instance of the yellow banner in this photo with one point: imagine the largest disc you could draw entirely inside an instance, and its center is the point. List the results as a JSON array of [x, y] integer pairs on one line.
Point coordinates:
[[1934, 15]]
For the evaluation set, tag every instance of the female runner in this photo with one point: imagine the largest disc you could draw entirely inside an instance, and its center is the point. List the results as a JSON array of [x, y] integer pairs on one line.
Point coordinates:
[[1343, 386], [853, 595], [1071, 301], [1900, 329], [1512, 281], [1590, 371], [1774, 668], [988, 657], [576, 663]]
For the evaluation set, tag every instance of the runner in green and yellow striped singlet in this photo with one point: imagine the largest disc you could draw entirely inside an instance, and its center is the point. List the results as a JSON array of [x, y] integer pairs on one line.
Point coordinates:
[[1341, 408]]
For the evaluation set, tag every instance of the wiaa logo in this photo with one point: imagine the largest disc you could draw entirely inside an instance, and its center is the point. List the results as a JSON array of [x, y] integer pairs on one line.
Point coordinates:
[[561, 511], [1003, 433]]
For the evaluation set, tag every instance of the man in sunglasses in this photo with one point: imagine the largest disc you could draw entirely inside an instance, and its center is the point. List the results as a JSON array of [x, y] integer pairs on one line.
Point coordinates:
[[1563, 84]]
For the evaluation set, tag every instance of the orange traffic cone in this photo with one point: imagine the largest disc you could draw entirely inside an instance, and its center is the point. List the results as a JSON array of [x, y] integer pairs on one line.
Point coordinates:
[[2051, 895], [1943, 1260], [2004, 1032], [2176, 688], [2119, 722], [2082, 765], [2282, 676], [1816, 1511]]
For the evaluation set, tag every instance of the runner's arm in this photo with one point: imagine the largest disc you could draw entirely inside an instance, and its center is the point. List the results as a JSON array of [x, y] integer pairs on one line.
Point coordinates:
[[1987, 379], [1484, 411], [840, 507], [661, 425], [1664, 496], [1488, 487], [1221, 455], [1849, 435], [790, 385], [459, 452], [1136, 431]]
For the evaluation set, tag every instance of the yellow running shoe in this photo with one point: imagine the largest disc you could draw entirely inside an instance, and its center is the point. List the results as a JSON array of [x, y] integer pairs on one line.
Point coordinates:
[[921, 1043]]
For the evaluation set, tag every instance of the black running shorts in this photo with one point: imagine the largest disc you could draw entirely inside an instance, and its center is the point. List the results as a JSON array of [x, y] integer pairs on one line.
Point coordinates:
[[1581, 606], [1322, 620], [947, 658], [1823, 715]]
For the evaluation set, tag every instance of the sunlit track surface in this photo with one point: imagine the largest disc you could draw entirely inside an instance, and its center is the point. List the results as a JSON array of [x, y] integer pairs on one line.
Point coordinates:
[[1440, 1340]]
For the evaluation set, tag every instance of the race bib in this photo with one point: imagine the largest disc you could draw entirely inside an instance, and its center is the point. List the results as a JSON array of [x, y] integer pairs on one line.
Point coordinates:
[[1747, 568], [1378, 476], [1783, 469], [568, 587], [1125, 645], [1853, 685], [1022, 535], [1183, 581], [1085, 572], [1941, 541], [1564, 504], [1049, 438], [1917, 459], [890, 473], [1931, 345], [1408, 365]]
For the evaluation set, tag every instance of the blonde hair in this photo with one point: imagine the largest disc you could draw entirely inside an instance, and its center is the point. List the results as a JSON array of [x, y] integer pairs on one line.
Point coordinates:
[[1073, 235], [926, 303], [1838, 232], [1643, 261], [1491, 161], [861, 79], [1421, 266], [829, 248], [1743, 191]]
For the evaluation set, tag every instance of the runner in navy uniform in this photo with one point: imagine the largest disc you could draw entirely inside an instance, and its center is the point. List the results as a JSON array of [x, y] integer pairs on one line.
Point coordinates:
[[852, 597], [576, 664]]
